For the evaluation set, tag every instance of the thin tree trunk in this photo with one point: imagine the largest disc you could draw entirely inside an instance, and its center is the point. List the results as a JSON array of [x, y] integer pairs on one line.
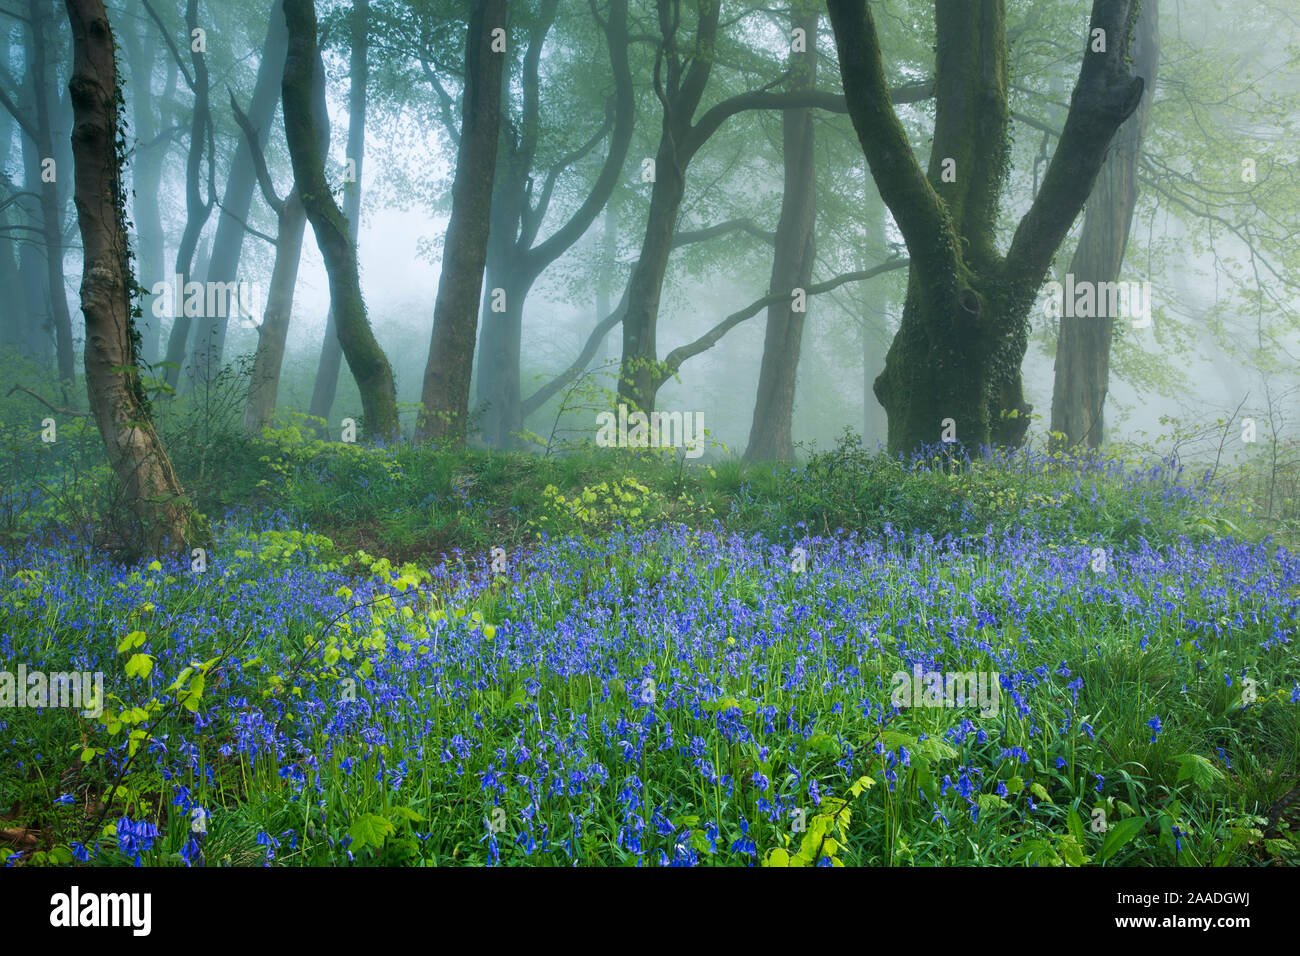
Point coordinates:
[[164, 519], [445, 394], [771, 433], [1083, 344], [228, 243], [304, 117], [197, 209], [45, 89], [264, 383], [13, 328], [331, 353]]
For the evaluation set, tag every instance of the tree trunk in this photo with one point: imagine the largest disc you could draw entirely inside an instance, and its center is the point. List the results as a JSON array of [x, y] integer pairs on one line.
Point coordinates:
[[45, 102], [1083, 344], [498, 385], [264, 383], [331, 353], [164, 519], [875, 319], [955, 362], [304, 119], [770, 435], [197, 209], [146, 174], [228, 243], [514, 263], [445, 394], [16, 315]]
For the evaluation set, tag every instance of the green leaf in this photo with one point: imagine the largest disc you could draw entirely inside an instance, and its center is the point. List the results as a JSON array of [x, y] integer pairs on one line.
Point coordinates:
[[777, 857], [370, 829], [1118, 835], [132, 640], [140, 665], [1201, 772]]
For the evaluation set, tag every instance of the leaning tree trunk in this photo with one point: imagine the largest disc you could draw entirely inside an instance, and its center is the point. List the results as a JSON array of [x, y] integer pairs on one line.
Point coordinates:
[[1083, 344], [770, 435], [304, 117], [151, 491], [445, 395], [228, 243], [331, 353]]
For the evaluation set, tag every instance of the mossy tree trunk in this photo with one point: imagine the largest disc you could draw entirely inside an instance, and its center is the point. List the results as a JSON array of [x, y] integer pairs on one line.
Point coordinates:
[[326, 385], [305, 122], [152, 494], [964, 328]]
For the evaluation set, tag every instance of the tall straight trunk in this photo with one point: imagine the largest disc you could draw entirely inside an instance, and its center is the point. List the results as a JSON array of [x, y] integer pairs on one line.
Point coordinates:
[[228, 243], [605, 278], [1083, 344], [264, 383], [770, 435], [875, 316], [146, 173], [500, 340], [14, 316], [445, 393], [46, 108], [638, 377], [305, 118], [37, 342], [197, 209], [152, 494], [331, 354]]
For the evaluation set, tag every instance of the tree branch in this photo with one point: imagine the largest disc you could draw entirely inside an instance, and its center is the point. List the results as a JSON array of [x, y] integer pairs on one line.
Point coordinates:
[[673, 361]]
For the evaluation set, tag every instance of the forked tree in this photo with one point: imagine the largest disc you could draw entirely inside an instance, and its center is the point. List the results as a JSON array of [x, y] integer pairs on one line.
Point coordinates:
[[964, 331]]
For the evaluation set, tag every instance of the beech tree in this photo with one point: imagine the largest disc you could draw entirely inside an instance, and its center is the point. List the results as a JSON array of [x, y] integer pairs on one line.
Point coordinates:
[[151, 492], [1083, 344], [770, 436], [304, 119], [964, 329], [445, 394]]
